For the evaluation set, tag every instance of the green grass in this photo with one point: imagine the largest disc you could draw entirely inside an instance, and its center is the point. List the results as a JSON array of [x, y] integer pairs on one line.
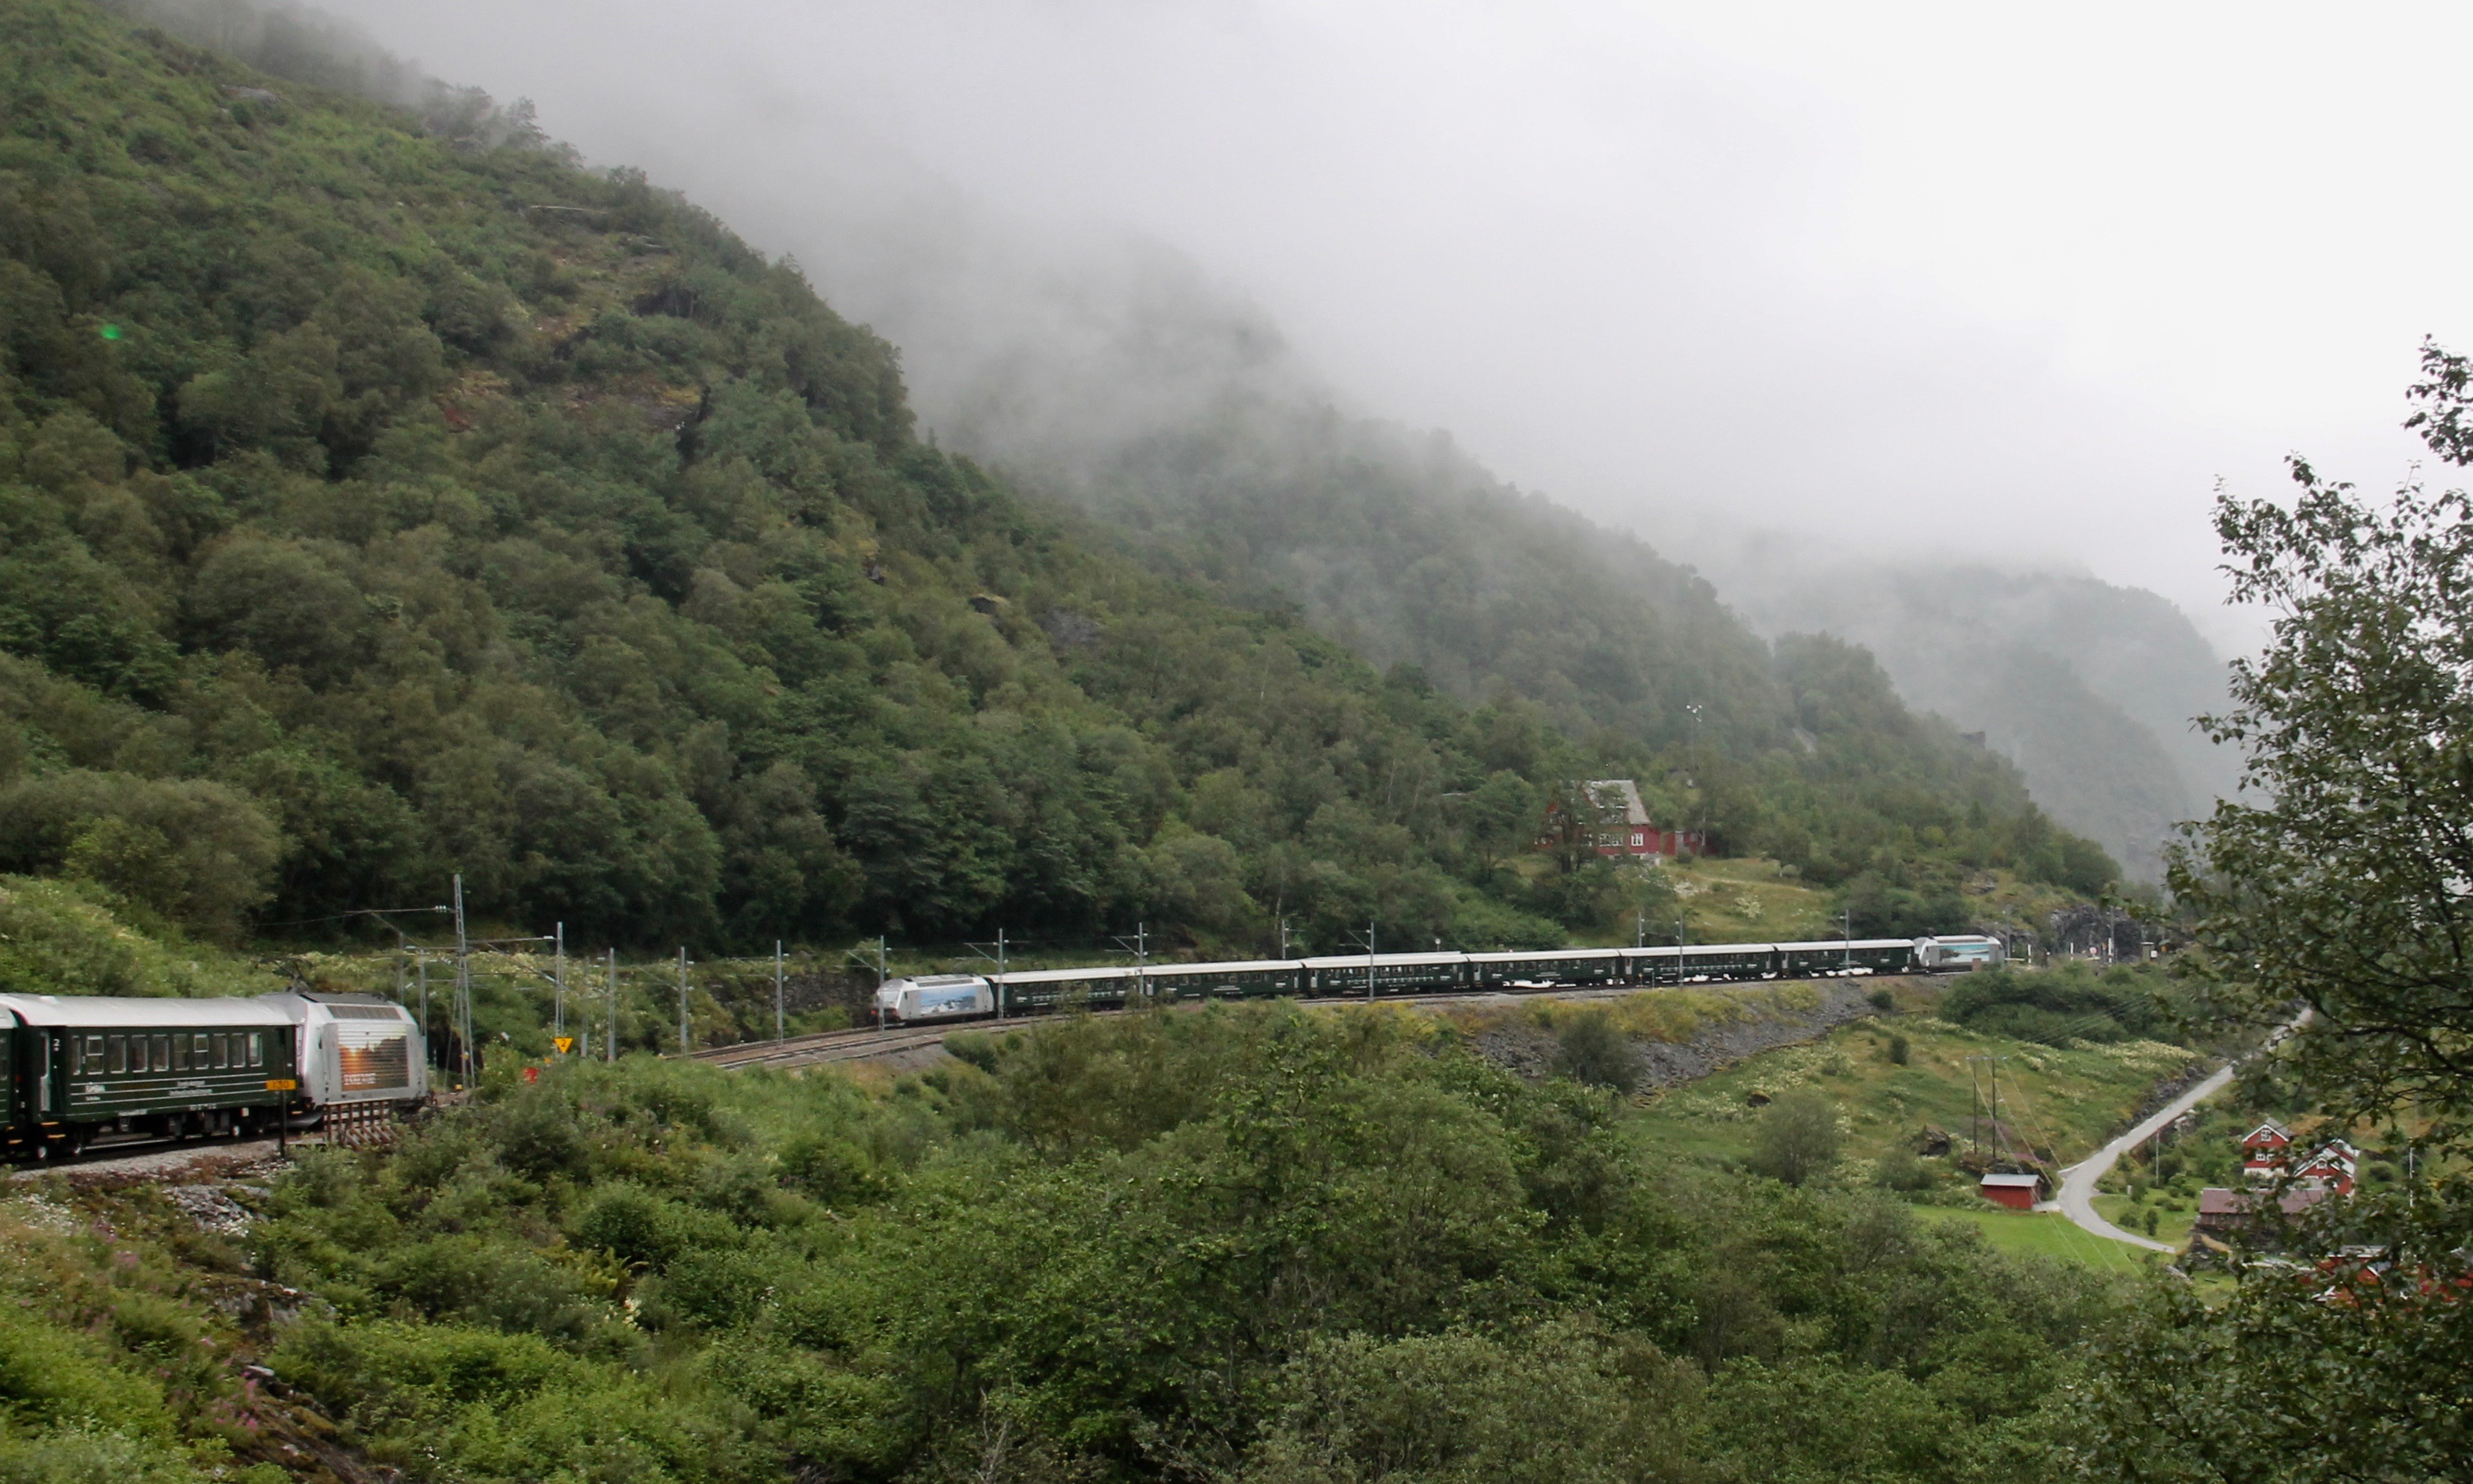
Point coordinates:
[[2040, 1234], [1749, 901], [2062, 1102], [2172, 1225]]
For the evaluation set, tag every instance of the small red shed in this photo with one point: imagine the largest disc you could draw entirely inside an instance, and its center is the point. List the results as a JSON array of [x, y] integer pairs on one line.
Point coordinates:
[[2018, 1192]]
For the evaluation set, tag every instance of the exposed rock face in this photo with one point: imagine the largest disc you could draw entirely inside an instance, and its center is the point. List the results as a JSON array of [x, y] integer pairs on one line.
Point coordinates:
[[1531, 1049]]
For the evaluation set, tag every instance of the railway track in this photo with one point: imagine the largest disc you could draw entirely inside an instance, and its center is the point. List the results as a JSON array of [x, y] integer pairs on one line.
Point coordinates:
[[829, 1046]]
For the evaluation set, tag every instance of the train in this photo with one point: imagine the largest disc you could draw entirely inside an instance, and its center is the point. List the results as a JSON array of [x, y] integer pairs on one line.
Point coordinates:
[[940, 997], [88, 1071]]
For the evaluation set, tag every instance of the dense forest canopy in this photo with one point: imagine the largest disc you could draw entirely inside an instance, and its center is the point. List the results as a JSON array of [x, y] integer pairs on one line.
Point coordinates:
[[380, 500]]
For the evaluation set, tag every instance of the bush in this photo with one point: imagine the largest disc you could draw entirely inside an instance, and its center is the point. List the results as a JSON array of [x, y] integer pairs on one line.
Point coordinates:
[[83, 1453], [2055, 1006], [1796, 1139], [1593, 1052], [1899, 1051], [1902, 1171]]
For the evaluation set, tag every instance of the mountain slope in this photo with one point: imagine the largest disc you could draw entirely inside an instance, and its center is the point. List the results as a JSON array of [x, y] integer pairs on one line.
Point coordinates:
[[2091, 687], [384, 500]]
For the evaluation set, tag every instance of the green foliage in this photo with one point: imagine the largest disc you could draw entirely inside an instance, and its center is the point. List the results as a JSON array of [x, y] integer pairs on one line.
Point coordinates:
[[2066, 1002], [84, 1455], [2332, 881], [2333, 885], [72, 938], [2365, 1360], [1286, 1245], [1591, 1050], [1557, 1404], [193, 851], [1796, 1139]]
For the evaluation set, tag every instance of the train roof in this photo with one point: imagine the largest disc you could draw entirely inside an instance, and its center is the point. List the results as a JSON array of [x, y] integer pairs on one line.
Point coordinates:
[[1690, 948], [138, 1012], [1063, 975], [1384, 960], [934, 980], [1251, 966], [1818, 945], [1528, 955], [295, 1005]]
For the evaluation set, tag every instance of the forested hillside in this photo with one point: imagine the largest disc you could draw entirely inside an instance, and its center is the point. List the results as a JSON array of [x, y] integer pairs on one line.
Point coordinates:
[[383, 498]]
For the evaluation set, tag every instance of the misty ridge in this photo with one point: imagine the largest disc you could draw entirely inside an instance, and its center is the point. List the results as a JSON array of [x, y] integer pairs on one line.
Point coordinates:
[[1114, 375]]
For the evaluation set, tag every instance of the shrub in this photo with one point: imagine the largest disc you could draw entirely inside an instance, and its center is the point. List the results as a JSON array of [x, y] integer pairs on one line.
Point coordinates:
[[1796, 1138], [1882, 999], [1900, 1170], [1899, 1051], [1593, 1052]]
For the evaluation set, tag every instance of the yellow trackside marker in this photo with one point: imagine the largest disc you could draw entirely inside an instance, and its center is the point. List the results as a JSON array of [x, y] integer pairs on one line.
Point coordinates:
[[563, 1044], [281, 1085]]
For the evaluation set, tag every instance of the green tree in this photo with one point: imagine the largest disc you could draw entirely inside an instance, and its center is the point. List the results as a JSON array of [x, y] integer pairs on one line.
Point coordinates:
[[2335, 881], [1796, 1139], [2332, 884]]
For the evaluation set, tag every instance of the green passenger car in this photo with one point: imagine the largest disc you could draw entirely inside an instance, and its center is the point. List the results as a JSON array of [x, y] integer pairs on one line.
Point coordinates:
[[86, 1069]]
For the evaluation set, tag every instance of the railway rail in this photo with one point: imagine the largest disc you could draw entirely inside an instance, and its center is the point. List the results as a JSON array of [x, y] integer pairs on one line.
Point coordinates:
[[867, 1043]]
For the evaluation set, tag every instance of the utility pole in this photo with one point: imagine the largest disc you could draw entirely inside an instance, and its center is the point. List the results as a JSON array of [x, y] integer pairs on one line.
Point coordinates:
[[1846, 932], [1140, 947], [878, 964], [999, 959], [558, 1019], [463, 1014], [1368, 940], [777, 1034], [609, 1042], [421, 966], [683, 998], [1974, 1110]]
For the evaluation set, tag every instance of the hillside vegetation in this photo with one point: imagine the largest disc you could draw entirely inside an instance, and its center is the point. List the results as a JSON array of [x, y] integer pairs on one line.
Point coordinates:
[[1256, 1244], [379, 504]]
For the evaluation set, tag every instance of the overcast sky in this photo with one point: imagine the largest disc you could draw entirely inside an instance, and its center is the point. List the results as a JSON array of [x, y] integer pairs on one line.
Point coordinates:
[[1950, 279]]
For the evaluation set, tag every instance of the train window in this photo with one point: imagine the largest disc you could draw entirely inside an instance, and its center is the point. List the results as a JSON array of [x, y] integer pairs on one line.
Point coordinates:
[[162, 1053], [202, 1055], [94, 1055], [256, 1048], [180, 1053], [119, 1054], [223, 1053]]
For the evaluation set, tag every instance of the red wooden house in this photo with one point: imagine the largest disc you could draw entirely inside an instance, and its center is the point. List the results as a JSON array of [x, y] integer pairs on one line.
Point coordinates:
[[2264, 1150], [1624, 828]]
